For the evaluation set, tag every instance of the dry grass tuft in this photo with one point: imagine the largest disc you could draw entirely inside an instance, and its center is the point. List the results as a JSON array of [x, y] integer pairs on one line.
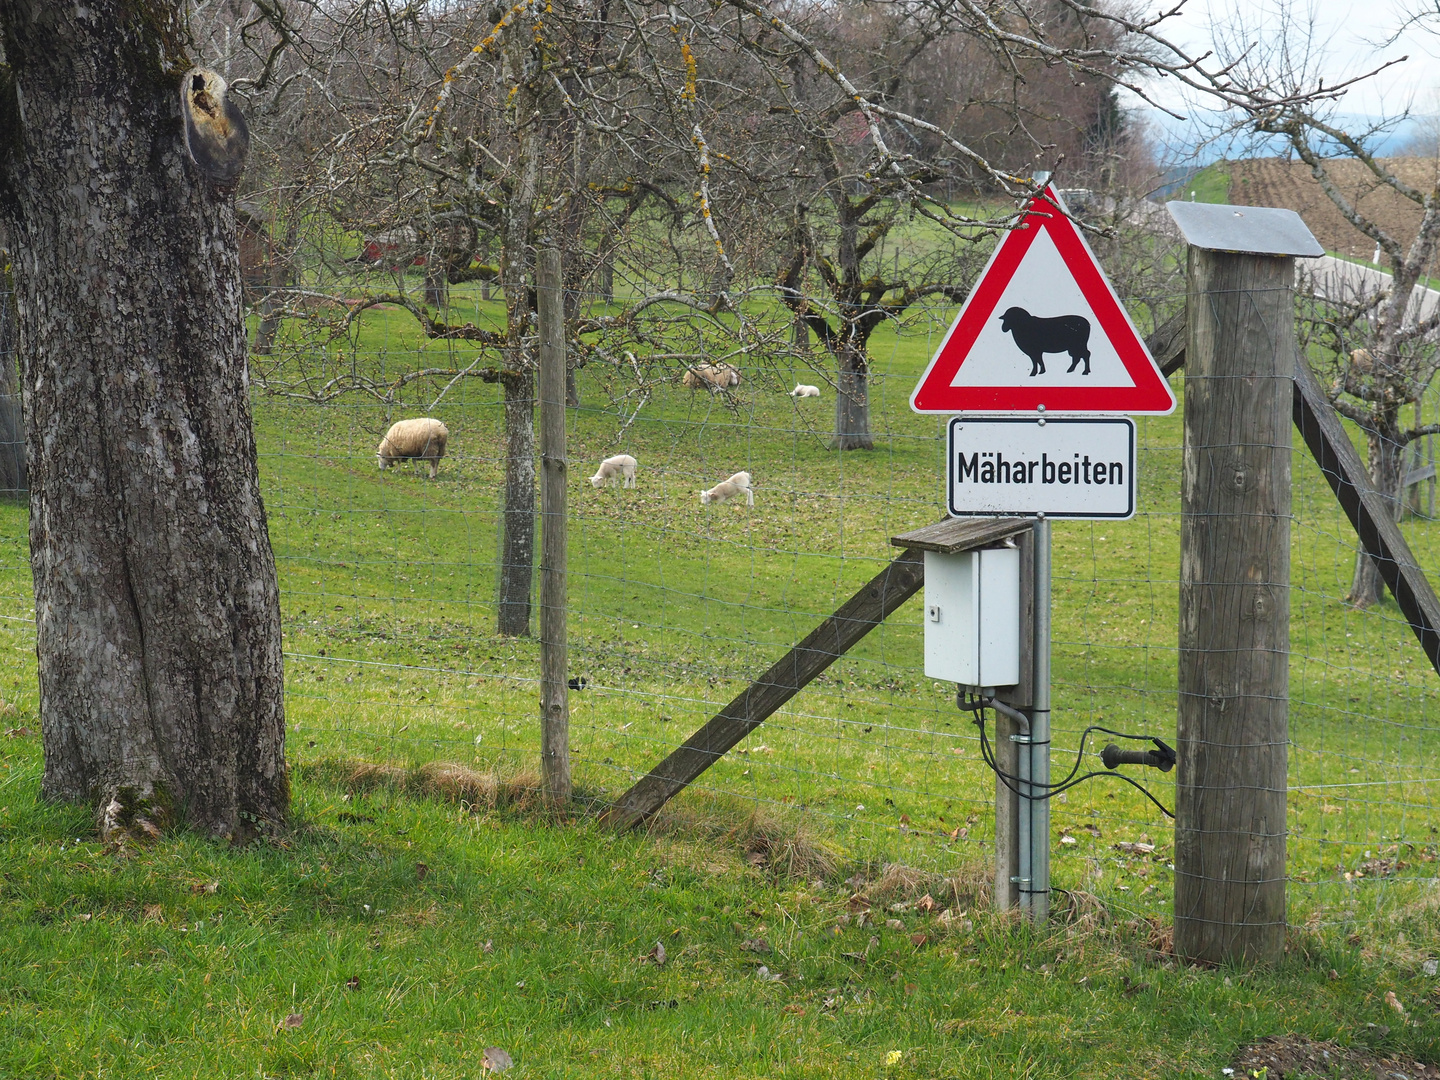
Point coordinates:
[[967, 887], [781, 843], [1080, 912], [783, 847], [441, 780]]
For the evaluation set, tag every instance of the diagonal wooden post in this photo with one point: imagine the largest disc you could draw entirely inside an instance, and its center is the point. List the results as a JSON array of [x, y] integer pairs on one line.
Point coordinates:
[[829, 641]]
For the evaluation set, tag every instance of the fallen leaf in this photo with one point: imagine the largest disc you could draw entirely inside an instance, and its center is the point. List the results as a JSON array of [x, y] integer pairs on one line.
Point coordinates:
[[205, 887], [294, 1020], [1130, 848], [18, 732], [352, 983], [421, 871], [655, 955], [153, 911], [495, 1060], [1065, 838], [910, 988], [1430, 967], [926, 903], [1394, 1002], [755, 945], [894, 924], [794, 1009], [918, 939]]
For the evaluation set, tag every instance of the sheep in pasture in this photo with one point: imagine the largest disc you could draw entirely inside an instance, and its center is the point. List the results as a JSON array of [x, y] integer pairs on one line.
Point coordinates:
[[729, 489], [802, 390], [711, 377], [1035, 337], [422, 438], [621, 465]]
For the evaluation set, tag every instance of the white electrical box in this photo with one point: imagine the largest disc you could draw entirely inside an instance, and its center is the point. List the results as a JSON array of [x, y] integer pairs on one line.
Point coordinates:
[[972, 617]]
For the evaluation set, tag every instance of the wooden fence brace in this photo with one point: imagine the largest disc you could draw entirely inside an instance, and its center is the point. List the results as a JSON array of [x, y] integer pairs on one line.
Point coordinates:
[[1319, 425], [864, 611], [554, 644], [1324, 435]]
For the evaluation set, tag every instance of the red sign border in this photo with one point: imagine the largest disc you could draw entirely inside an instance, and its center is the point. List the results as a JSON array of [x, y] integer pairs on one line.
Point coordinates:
[[1154, 399]]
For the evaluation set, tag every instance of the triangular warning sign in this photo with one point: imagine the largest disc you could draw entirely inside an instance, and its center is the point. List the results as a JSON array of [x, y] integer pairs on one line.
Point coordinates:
[[1043, 327]]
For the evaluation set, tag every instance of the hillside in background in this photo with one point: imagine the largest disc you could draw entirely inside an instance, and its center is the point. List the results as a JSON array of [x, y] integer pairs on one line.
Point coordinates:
[[1277, 182]]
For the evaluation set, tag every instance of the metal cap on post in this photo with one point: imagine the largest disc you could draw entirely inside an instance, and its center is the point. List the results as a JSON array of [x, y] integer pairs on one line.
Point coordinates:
[[1232, 721], [1244, 230]]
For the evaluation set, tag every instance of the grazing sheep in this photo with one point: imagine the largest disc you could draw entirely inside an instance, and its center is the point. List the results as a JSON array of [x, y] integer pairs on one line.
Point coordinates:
[[729, 489], [1035, 337], [622, 465], [711, 376], [802, 390], [421, 438]]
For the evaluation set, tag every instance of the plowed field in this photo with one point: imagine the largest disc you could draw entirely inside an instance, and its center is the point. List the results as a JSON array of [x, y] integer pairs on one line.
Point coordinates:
[[1278, 182]]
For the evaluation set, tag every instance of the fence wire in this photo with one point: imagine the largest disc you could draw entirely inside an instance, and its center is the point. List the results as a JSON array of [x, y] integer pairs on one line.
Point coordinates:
[[389, 578]]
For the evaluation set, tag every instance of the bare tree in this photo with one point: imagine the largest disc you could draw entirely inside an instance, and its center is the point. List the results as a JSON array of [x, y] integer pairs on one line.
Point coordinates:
[[156, 604], [1381, 342]]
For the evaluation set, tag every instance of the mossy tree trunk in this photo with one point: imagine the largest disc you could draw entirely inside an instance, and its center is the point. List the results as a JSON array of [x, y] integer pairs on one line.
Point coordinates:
[[156, 601]]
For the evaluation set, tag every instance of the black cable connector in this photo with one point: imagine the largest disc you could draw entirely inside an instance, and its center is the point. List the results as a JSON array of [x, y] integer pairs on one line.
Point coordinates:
[[1162, 757]]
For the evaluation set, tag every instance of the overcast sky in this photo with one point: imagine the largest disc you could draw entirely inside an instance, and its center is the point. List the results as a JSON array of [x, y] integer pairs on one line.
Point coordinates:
[[1349, 39]]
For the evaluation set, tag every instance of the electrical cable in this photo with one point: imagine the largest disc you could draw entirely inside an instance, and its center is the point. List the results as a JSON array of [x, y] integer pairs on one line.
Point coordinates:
[[978, 706]]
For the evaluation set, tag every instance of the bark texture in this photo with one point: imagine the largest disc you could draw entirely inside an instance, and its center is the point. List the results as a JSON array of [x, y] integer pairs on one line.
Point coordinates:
[[14, 479], [156, 601], [1232, 723], [517, 523]]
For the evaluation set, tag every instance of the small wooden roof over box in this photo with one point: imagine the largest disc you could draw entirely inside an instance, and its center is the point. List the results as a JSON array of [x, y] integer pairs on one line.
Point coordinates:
[[962, 534]]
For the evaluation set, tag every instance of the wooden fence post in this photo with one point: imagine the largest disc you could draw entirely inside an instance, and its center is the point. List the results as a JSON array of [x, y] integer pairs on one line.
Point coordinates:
[[1234, 681], [554, 645]]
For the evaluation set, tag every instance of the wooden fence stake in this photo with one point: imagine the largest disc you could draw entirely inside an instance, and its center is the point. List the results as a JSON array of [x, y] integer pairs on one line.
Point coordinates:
[[1233, 717], [554, 646]]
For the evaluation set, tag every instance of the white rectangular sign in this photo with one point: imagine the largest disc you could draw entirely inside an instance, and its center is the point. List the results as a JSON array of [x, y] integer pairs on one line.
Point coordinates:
[[1061, 467]]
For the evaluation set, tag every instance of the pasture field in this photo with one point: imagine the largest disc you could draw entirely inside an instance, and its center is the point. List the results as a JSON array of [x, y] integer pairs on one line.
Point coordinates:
[[866, 791]]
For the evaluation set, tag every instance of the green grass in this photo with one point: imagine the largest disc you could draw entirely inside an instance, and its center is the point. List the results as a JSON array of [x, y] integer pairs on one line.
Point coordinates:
[[185, 959], [388, 604], [1210, 185]]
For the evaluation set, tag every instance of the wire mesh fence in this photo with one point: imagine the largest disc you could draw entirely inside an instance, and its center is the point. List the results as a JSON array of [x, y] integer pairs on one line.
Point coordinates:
[[389, 583]]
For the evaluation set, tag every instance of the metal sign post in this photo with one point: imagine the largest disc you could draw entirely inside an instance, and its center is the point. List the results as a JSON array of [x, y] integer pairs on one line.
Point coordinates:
[[1039, 748]]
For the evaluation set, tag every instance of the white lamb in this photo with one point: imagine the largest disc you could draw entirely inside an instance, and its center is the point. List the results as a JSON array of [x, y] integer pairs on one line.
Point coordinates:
[[729, 489], [622, 465], [802, 390], [423, 438]]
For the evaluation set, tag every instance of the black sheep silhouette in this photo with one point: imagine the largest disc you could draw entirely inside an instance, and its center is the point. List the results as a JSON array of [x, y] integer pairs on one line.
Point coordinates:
[[1035, 337]]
